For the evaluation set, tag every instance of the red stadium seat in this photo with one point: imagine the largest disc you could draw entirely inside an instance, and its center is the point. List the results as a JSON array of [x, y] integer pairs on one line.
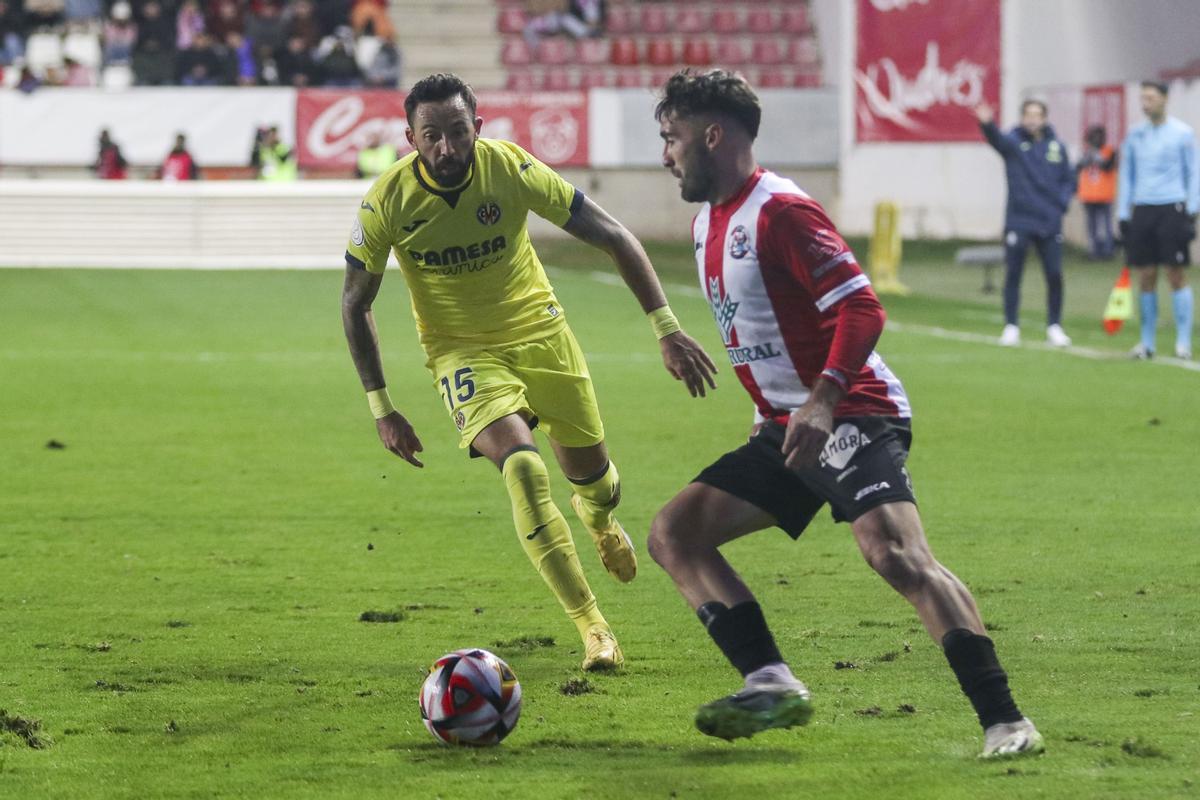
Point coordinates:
[[697, 53], [796, 21], [511, 19], [523, 81], [620, 19], [597, 78], [731, 52], [773, 79], [560, 80], [655, 19], [767, 51], [515, 53], [661, 53], [555, 51], [806, 80], [804, 52], [624, 52], [761, 20], [727, 20], [659, 77], [689, 19], [630, 79], [592, 51]]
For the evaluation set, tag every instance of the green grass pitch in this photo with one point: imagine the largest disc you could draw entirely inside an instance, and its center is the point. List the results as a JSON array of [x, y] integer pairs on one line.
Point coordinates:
[[182, 580]]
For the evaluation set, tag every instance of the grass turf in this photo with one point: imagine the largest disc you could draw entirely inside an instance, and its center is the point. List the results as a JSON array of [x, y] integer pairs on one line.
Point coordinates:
[[184, 577]]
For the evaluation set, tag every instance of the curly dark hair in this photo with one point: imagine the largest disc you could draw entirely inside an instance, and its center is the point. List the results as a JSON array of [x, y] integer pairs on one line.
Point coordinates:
[[438, 87], [688, 93]]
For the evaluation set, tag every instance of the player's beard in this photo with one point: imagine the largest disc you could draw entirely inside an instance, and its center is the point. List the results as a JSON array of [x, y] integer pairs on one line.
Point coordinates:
[[451, 171], [696, 184]]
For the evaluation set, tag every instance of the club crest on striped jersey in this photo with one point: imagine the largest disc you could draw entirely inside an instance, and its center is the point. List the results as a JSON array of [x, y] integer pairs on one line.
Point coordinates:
[[724, 309], [739, 242]]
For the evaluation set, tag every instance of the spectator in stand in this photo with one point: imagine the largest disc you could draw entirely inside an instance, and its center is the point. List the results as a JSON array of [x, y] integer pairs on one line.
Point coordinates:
[[335, 56], [370, 18], [375, 158], [224, 17], [301, 21], [76, 74], [154, 54], [82, 10], [179, 164], [120, 35], [268, 66], [12, 31], [384, 70], [267, 27], [578, 18], [189, 22], [27, 82], [332, 13], [276, 161], [110, 164], [44, 13], [297, 66], [1097, 190], [200, 64], [238, 67]]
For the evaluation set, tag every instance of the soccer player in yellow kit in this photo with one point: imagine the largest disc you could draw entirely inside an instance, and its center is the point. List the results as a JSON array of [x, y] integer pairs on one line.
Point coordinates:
[[495, 336]]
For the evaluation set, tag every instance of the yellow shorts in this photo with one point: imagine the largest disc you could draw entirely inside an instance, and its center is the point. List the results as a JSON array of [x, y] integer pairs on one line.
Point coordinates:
[[546, 381]]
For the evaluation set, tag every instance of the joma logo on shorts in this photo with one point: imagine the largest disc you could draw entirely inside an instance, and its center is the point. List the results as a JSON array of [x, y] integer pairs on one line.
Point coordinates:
[[872, 489]]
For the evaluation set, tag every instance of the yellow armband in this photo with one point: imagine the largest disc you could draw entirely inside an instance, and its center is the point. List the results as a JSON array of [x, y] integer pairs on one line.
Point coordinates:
[[662, 319], [381, 404]]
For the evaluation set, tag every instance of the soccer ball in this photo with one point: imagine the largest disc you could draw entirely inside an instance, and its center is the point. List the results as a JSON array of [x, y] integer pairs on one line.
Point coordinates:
[[470, 697]]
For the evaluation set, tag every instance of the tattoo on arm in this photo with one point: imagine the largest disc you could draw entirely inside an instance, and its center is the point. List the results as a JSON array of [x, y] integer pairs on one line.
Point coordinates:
[[358, 293]]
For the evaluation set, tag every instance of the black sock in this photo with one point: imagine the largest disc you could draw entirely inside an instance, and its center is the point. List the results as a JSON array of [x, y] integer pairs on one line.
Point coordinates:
[[983, 681], [742, 634]]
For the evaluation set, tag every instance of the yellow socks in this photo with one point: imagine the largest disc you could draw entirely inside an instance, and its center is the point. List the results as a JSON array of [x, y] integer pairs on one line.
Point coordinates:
[[599, 496], [546, 537]]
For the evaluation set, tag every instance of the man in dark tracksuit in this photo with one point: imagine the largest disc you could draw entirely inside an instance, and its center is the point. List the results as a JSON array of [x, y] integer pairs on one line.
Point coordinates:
[[1040, 187]]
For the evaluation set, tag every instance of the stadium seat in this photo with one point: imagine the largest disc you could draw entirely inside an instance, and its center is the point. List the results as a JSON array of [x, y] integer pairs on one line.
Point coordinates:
[[796, 20], [655, 19], [731, 52], [689, 19], [767, 51], [806, 80], [43, 51], [365, 50], [560, 80], [592, 51], [597, 78], [84, 48], [523, 80], [624, 52], [697, 53], [804, 52], [761, 20], [117, 76], [727, 20], [515, 53], [511, 19], [658, 77], [555, 51], [620, 19], [661, 52], [773, 78], [630, 79]]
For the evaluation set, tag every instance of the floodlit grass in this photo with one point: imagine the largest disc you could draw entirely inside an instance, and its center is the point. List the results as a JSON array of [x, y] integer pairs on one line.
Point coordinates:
[[217, 583]]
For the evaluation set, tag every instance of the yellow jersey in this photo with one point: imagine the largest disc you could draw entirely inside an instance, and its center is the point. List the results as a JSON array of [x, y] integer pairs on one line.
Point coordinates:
[[472, 273]]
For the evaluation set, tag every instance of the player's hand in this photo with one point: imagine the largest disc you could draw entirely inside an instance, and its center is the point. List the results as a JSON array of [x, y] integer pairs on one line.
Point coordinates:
[[686, 360], [808, 431], [985, 114], [398, 436]]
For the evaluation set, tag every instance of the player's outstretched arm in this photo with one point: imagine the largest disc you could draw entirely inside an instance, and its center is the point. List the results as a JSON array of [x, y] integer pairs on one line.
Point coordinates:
[[682, 355], [358, 293]]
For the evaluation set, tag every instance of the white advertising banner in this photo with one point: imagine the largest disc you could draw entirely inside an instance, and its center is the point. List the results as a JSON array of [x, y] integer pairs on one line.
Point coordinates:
[[60, 126]]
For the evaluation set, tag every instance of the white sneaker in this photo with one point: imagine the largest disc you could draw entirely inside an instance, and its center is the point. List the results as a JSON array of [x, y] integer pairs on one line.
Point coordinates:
[[1057, 337], [1011, 336], [1140, 353], [1008, 739], [1183, 352]]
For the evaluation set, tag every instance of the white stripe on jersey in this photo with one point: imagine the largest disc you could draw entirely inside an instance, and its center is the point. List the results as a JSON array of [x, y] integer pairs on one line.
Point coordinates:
[[895, 389], [849, 287], [833, 262]]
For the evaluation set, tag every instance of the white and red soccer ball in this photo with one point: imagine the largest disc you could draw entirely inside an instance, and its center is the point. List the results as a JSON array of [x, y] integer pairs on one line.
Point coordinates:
[[470, 697]]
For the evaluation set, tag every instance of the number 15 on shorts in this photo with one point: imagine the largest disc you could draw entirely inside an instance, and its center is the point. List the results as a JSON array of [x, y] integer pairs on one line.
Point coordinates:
[[462, 390]]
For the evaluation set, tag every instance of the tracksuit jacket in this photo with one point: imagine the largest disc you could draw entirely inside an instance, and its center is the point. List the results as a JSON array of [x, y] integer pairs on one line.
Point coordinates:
[[1041, 182]]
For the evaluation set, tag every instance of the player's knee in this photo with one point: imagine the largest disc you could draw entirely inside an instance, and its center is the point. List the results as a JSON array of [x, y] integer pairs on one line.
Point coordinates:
[[665, 542], [907, 569]]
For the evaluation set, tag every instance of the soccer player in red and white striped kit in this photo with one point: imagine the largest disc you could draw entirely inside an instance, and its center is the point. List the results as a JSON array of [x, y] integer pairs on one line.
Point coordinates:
[[831, 421]]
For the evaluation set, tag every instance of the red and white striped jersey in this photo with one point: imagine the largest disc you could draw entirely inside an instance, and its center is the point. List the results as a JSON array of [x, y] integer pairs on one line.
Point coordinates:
[[788, 297]]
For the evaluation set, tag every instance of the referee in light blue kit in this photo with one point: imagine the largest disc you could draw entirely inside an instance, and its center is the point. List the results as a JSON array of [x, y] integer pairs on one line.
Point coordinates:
[[1158, 197]]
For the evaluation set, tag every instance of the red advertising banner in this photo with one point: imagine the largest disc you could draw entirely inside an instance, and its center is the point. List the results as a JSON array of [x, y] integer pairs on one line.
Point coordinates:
[[332, 125], [922, 66], [1104, 105]]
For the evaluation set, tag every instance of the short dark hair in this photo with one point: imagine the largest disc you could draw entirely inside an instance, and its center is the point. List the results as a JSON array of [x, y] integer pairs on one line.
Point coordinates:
[[1161, 86], [438, 87], [1035, 102], [688, 93]]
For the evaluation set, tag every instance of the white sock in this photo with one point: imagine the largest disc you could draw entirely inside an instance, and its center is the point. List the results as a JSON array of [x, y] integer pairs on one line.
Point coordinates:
[[771, 674]]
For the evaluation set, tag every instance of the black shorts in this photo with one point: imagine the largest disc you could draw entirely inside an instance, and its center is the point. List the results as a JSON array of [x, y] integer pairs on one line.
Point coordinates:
[[861, 467], [1159, 235]]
